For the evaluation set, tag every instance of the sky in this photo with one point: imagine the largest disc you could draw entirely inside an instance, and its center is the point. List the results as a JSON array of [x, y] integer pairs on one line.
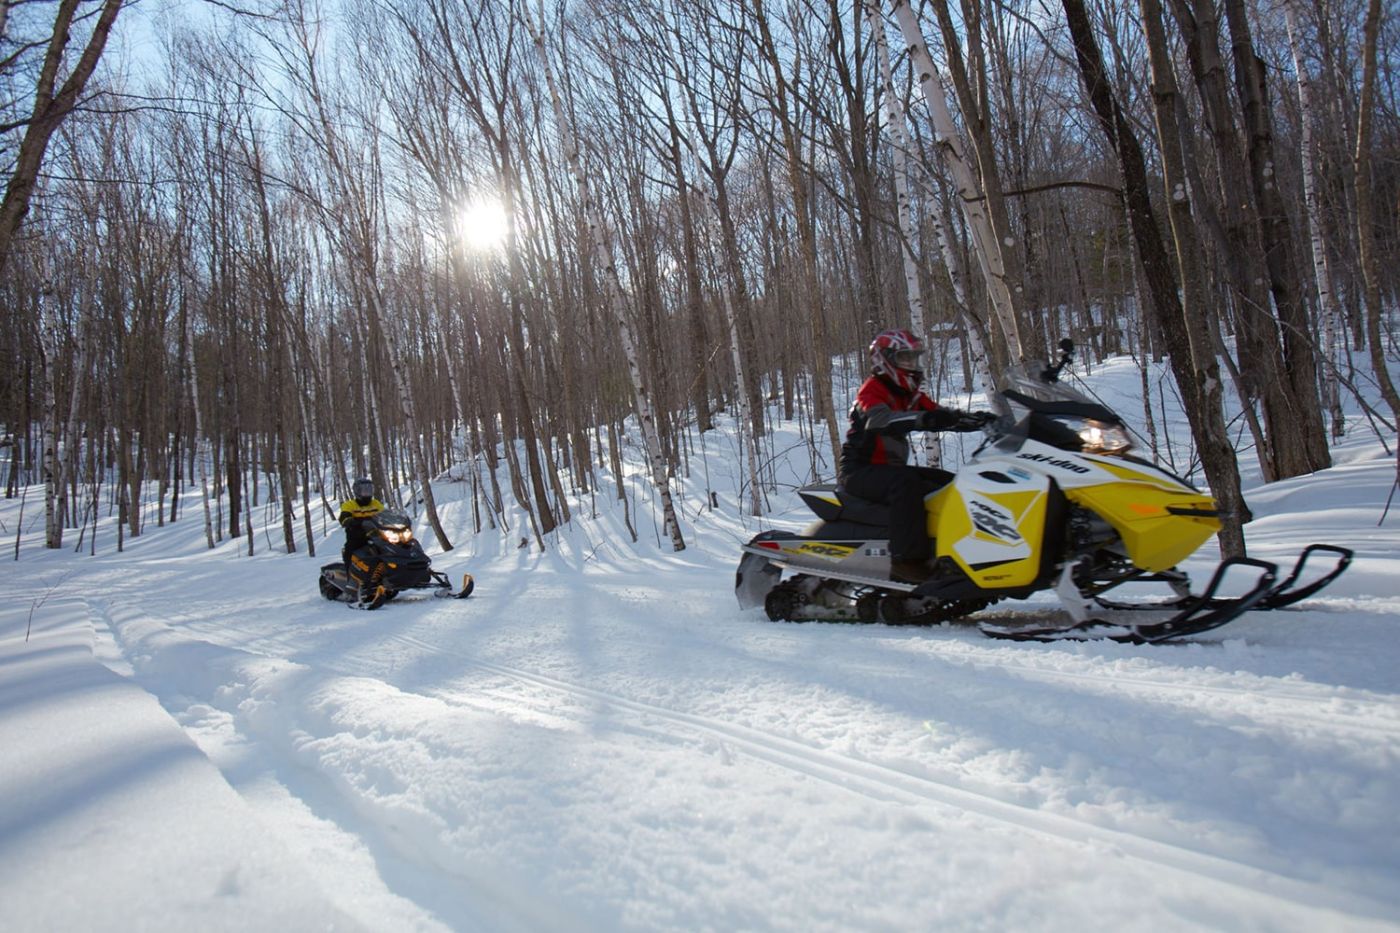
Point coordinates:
[[599, 739]]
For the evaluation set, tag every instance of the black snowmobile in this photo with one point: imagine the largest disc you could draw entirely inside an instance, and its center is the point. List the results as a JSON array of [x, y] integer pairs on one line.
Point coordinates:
[[405, 566]]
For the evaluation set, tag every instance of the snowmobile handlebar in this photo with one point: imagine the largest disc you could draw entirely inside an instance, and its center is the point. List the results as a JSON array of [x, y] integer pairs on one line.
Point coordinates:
[[1052, 373]]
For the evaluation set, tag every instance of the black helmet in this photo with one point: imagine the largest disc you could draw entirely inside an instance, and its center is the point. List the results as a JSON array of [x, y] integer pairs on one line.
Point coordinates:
[[363, 489]]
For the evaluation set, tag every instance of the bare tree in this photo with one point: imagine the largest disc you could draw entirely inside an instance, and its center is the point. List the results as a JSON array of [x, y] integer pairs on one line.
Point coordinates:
[[1328, 308], [970, 197], [1197, 390], [52, 103], [1365, 212], [660, 471]]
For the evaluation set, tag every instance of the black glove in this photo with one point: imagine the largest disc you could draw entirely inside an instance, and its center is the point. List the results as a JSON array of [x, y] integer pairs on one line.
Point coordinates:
[[973, 420], [940, 419]]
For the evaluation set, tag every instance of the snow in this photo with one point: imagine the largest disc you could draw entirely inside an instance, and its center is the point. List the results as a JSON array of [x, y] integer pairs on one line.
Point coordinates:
[[599, 739]]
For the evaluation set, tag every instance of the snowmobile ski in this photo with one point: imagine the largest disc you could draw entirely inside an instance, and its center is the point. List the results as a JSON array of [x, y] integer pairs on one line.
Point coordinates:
[[1286, 594], [445, 591], [1193, 614]]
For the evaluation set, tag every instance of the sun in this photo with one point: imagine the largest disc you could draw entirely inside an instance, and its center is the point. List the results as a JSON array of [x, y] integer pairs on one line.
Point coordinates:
[[483, 225]]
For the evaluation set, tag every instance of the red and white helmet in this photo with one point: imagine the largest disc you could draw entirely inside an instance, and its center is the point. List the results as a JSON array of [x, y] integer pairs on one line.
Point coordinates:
[[895, 354]]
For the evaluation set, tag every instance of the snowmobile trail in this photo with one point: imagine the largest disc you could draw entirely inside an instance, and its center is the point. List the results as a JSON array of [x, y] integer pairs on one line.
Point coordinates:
[[392, 727], [1359, 713], [256, 716], [890, 785]]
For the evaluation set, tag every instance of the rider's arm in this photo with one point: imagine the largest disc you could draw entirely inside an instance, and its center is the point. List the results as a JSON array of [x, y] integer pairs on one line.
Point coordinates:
[[873, 400]]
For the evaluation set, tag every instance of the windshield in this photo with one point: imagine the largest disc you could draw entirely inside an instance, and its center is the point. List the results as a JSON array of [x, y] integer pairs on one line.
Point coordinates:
[[1025, 379], [388, 519], [1062, 416]]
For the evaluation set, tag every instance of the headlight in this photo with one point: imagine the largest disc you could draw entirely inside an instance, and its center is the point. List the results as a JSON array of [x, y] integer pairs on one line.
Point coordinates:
[[398, 535], [1100, 438]]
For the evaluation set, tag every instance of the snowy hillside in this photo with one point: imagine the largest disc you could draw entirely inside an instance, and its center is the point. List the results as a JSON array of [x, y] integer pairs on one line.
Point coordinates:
[[599, 739]]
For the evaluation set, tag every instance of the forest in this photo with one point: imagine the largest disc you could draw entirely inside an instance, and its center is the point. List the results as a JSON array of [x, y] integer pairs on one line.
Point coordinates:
[[251, 250]]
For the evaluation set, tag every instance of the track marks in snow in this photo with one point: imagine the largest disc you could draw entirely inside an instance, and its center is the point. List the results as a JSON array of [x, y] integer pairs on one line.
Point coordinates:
[[892, 786], [1326, 709], [374, 721]]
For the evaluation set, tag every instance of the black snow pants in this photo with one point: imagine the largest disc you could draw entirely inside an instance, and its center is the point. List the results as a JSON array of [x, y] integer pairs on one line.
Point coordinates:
[[903, 488]]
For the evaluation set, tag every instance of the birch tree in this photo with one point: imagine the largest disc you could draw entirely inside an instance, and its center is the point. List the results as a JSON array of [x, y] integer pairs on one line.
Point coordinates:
[[700, 216], [352, 215], [968, 77], [804, 220], [970, 198], [1328, 309], [904, 207], [598, 241], [52, 465]]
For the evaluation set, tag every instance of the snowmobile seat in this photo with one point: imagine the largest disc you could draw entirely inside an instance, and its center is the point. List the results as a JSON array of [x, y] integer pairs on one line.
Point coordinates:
[[833, 503]]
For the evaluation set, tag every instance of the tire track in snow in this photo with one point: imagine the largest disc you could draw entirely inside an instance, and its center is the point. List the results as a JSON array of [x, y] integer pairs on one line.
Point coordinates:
[[890, 785]]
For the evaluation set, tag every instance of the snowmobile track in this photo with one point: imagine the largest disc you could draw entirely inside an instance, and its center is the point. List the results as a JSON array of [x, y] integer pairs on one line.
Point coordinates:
[[890, 785], [1276, 706]]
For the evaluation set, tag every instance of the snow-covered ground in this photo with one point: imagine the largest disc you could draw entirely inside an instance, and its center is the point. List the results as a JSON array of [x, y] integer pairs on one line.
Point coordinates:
[[599, 740]]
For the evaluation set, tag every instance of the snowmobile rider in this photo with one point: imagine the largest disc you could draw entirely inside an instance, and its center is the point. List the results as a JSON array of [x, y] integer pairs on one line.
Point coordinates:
[[356, 514], [875, 457]]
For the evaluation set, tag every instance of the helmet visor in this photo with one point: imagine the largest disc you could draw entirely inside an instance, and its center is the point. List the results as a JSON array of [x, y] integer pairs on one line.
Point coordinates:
[[907, 359], [363, 489]]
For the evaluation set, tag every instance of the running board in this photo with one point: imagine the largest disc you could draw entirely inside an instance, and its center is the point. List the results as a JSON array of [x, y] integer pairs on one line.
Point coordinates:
[[826, 572]]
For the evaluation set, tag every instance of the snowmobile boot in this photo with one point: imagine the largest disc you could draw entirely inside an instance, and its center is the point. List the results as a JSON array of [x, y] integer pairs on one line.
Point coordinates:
[[911, 571]]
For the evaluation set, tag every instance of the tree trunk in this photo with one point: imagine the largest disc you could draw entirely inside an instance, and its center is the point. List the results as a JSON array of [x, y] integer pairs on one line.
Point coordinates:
[[1328, 309], [976, 112], [1366, 214], [1195, 309], [894, 115], [804, 218], [1221, 470], [51, 108], [1306, 435], [53, 478]]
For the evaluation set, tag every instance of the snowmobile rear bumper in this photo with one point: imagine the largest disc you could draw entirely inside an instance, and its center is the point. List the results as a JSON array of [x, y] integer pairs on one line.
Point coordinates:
[[754, 579]]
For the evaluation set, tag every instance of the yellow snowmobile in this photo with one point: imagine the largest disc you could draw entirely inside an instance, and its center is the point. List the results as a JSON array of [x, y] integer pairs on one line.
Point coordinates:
[[1054, 500]]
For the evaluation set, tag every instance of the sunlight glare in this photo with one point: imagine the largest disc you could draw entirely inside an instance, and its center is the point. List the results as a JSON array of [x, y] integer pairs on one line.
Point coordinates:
[[483, 225]]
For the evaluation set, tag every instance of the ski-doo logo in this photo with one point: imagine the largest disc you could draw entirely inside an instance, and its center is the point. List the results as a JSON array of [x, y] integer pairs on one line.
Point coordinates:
[[825, 550], [994, 522], [1051, 461]]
